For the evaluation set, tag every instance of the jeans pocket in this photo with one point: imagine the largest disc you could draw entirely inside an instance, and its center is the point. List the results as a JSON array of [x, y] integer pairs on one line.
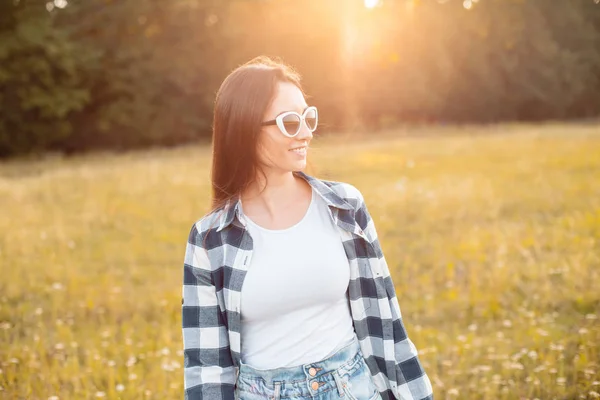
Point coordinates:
[[357, 381]]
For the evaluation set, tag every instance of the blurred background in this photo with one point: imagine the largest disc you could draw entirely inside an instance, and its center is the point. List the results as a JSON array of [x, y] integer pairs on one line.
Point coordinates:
[[472, 128], [78, 75]]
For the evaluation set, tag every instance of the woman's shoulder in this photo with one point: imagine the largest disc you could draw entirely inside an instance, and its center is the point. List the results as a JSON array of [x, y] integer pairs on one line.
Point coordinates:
[[346, 190], [205, 227]]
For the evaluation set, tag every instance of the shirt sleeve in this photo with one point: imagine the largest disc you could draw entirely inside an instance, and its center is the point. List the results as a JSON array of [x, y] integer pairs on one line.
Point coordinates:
[[209, 373], [412, 381]]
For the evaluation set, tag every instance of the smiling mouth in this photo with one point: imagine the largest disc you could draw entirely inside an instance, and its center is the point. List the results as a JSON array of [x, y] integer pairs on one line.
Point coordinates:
[[299, 150]]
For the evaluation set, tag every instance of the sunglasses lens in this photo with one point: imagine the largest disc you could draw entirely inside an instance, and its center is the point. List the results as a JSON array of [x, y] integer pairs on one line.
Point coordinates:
[[291, 123], [311, 119]]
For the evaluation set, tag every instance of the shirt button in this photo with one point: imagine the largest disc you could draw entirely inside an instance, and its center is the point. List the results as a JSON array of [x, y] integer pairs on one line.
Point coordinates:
[[312, 372], [314, 385]]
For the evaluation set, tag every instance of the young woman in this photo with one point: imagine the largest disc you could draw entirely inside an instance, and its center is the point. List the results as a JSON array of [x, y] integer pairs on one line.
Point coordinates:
[[286, 292]]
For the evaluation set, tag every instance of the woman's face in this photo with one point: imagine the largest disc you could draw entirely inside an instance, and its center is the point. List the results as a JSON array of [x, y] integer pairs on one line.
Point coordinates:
[[274, 148]]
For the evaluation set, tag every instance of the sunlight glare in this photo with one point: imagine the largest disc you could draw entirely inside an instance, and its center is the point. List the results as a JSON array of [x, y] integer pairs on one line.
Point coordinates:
[[371, 3]]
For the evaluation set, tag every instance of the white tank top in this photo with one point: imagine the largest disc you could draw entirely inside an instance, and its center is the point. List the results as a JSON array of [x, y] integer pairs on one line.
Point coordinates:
[[294, 306]]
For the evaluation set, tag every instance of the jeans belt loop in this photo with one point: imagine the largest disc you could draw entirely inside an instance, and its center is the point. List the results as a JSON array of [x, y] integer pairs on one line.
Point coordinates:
[[338, 383], [277, 393]]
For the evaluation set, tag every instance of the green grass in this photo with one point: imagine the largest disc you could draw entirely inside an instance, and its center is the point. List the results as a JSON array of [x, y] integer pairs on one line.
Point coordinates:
[[492, 236]]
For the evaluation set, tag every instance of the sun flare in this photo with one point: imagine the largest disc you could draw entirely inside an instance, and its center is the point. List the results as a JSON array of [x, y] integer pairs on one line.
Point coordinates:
[[371, 3]]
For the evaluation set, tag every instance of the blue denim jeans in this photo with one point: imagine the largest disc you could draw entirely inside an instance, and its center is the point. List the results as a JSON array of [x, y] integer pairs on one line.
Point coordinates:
[[343, 375]]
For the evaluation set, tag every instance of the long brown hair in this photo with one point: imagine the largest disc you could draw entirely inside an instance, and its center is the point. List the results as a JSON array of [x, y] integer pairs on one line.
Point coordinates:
[[240, 105]]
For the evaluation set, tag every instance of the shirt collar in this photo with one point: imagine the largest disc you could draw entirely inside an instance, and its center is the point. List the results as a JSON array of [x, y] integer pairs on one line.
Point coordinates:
[[232, 208]]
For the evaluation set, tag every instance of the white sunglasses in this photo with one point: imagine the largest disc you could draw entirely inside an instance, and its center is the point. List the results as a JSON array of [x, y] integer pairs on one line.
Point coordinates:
[[289, 122]]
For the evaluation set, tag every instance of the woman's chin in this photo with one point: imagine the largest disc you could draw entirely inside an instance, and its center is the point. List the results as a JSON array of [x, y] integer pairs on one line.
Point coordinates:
[[300, 165]]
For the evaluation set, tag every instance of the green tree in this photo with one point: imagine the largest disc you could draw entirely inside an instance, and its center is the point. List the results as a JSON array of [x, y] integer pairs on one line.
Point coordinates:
[[40, 79]]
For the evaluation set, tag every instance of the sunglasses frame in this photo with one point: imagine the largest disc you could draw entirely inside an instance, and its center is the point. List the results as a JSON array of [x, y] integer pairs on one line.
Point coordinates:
[[280, 124]]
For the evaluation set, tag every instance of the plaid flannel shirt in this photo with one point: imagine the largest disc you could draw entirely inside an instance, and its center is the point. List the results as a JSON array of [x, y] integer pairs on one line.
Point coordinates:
[[217, 257]]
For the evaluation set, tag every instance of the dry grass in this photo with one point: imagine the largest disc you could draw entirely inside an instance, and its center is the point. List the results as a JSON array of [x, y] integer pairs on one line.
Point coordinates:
[[492, 236]]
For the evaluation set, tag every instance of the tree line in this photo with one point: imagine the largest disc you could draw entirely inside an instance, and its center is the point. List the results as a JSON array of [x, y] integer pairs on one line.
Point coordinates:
[[121, 74]]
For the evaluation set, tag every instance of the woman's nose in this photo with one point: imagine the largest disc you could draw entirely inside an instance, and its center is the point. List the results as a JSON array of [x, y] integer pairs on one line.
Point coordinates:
[[304, 132]]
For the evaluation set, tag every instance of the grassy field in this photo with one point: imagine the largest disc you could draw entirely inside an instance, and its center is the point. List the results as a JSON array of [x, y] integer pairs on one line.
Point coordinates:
[[492, 236]]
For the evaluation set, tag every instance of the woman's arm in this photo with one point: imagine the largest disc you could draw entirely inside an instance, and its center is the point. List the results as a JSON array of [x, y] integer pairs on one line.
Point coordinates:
[[209, 373], [413, 382]]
